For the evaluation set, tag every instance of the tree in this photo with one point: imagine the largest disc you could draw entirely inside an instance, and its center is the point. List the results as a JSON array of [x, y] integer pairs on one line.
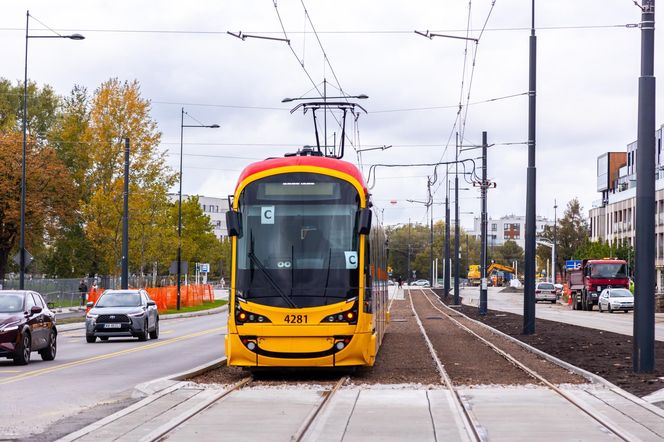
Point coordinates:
[[118, 111], [49, 201], [509, 252], [42, 108], [571, 234]]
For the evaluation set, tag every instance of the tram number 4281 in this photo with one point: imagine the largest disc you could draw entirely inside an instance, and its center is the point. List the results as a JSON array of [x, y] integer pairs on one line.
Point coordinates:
[[296, 319]]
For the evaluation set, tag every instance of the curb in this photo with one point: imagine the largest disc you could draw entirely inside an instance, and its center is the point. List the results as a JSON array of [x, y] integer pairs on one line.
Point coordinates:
[[153, 386], [595, 379], [153, 390], [212, 311]]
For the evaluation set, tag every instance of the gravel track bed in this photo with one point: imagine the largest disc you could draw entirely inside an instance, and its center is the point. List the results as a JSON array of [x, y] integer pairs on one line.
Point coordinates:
[[466, 359], [550, 371], [606, 354]]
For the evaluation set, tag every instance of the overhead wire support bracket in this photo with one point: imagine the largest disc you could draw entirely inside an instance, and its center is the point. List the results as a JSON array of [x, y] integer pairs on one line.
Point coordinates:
[[243, 37], [431, 35]]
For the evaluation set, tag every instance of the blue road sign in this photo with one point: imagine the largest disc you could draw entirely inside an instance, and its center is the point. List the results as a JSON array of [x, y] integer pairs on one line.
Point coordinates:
[[572, 264]]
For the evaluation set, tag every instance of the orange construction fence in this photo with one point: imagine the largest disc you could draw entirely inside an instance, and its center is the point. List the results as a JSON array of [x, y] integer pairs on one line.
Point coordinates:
[[166, 297]]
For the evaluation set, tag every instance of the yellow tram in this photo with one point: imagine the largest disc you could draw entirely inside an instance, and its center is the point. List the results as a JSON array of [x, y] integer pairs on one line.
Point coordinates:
[[309, 280]]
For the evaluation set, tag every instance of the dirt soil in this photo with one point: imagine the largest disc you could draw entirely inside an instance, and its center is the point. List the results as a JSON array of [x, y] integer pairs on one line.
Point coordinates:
[[606, 354]]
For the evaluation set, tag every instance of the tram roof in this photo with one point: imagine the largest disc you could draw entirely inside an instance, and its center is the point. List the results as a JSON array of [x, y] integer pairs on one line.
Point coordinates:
[[304, 160]]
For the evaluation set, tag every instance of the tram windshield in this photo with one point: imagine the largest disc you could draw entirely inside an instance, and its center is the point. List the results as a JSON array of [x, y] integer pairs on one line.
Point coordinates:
[[299, 246]]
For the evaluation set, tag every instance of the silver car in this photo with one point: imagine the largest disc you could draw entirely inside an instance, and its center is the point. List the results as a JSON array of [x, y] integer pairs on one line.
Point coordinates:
[[545, 291], [122, 313], [616, 299]]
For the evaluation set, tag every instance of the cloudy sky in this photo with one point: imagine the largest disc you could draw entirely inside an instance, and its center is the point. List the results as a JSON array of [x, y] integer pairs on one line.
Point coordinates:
[[588, 66]]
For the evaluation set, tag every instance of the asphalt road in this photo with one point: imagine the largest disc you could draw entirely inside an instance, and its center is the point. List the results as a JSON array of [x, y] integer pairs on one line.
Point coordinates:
[[88, 381], [617, 322]]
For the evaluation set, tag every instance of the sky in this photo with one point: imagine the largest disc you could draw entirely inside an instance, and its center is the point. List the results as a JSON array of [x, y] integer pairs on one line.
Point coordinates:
[[588, 64]]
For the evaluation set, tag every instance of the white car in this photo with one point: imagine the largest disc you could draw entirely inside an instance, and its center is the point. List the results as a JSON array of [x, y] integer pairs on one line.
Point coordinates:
[[545, 291], [616, 299]]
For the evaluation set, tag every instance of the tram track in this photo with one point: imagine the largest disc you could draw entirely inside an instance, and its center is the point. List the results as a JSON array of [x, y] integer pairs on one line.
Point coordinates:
[[164, 432], [476, 430]]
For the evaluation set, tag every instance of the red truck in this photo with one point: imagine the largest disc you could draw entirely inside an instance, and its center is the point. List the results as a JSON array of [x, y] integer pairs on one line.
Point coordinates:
[[586, 283]]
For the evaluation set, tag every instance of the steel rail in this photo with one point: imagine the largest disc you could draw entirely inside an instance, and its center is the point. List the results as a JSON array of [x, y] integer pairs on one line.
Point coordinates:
[[617, 432], [469, 420], [302, 431], [158, 433]]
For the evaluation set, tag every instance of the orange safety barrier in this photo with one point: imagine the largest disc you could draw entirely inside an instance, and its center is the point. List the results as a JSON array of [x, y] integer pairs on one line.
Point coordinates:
[[167, 297]]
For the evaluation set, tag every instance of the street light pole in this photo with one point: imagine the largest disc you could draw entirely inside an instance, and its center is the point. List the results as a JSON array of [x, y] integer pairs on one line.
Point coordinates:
[[446, 282], [553, 249], [643, 353], [529, 270], [179, 255], [456, 225], [21, 245], [483, 229]]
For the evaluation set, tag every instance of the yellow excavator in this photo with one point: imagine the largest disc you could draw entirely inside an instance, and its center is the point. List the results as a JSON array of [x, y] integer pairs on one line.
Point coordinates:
[[495, 274]]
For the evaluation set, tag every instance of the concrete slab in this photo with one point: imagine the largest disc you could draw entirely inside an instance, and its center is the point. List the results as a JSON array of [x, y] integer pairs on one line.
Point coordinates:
[[446, 418], [331, 423], [391, 415], [527, 414], [641, 420], [251, 414], [137, 421]]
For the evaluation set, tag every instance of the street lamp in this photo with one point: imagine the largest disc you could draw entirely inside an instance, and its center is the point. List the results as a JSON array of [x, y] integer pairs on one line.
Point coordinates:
[[179, 258], [553, 249], [21, 245]]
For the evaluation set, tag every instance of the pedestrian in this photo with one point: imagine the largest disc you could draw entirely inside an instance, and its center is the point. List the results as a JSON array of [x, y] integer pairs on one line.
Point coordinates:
[[83, 288], [400, 281]]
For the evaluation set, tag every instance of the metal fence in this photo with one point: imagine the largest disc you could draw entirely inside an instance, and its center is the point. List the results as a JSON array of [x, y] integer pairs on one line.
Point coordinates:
[[64, 293]]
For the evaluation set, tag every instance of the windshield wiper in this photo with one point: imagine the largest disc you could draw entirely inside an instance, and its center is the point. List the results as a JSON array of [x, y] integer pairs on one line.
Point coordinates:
[[327, 277], [262, 268]]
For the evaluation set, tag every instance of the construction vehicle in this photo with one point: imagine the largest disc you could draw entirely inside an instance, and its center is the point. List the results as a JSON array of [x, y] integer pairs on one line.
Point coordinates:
[[586, 283], [497, 274], [474, 275]]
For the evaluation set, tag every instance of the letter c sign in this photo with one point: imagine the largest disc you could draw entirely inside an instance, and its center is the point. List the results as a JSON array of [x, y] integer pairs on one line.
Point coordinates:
[[267, 215], [351, 260]]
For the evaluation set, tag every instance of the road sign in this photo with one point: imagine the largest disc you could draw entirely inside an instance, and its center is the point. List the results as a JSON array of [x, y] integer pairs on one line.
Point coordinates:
[[204, 267], [28, 258], [572, 264], [184, 267]]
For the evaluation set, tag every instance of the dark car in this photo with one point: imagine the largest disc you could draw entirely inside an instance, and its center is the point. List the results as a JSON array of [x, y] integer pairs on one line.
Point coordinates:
[[122, 313], [26, 325]]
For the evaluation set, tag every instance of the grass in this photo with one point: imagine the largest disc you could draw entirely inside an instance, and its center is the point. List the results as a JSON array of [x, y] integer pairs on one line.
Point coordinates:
[[197, 308]]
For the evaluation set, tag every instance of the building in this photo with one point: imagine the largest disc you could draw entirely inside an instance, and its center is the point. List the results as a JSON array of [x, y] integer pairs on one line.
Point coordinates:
[[612, 217], [215, 208], [508, 228]]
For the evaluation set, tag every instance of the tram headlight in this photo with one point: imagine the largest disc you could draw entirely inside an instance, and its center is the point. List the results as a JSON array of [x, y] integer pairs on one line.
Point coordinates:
[[243, 317], [349, 316]]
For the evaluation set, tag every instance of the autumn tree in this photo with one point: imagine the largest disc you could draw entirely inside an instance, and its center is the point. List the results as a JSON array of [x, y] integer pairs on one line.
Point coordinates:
[[118, 111], [49, 200]]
